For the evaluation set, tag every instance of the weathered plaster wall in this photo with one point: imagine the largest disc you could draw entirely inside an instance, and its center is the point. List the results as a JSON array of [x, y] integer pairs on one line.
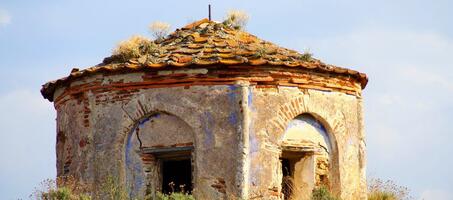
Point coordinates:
[[96, 127], [237, 132]]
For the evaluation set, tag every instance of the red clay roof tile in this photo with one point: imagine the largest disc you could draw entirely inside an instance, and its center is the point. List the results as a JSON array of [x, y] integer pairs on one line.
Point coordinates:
[[204, 43]]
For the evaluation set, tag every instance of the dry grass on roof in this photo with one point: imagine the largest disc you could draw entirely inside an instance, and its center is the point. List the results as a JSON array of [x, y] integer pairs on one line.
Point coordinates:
[[206, 42]]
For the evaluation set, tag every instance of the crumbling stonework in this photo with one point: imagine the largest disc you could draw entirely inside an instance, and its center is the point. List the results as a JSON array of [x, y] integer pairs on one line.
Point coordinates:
[[244, 129]]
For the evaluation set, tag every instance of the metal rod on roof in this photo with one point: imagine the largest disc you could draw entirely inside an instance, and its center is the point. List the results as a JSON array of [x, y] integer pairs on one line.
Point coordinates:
[[209, 11]]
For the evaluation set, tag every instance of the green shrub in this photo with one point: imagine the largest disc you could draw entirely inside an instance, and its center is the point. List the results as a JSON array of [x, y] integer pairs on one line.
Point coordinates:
[[322, 193], [49, 191], [57, 194], [63, 193]]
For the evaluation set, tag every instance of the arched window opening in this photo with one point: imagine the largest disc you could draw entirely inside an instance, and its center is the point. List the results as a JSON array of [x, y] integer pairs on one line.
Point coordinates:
[[305, 157], [159, 157]]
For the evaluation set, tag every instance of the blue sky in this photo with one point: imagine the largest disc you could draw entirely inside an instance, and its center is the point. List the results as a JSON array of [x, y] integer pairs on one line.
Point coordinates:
[[404, 46]]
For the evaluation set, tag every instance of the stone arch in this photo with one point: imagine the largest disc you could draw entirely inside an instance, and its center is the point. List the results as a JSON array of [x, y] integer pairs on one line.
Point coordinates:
[[332, 120], [154, 130]]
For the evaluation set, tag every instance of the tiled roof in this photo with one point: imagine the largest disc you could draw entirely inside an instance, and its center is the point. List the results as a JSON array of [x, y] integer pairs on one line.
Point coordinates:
[[208, 43]]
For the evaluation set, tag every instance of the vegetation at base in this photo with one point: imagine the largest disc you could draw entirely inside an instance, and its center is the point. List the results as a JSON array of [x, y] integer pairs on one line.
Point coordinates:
[[63, 193], [111, 189], [322, 193], [68, 188], [377, 190], [387, 190], [175, 196], [380, 195]]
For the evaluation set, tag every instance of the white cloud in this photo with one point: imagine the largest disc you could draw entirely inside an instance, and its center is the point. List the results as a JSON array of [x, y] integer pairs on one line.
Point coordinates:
[[5, 17], [436, 194]]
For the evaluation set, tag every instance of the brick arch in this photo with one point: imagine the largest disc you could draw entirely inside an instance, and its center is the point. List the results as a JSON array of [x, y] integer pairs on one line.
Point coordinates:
[[137, 179], [332, 120], [137, 111], [142, 109]]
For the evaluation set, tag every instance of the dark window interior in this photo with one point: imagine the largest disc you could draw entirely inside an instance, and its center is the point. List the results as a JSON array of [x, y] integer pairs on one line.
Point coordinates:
[[177, 176], [287, 181]]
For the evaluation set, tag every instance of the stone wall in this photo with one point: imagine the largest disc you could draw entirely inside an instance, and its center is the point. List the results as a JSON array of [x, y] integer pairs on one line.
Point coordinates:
[[236, 132]]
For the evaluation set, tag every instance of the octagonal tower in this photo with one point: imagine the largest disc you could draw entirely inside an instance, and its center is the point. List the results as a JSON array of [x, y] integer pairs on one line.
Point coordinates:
[[216, 112]]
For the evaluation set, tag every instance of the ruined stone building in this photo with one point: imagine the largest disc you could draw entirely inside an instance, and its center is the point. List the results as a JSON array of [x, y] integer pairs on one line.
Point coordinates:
[[216, 112]]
